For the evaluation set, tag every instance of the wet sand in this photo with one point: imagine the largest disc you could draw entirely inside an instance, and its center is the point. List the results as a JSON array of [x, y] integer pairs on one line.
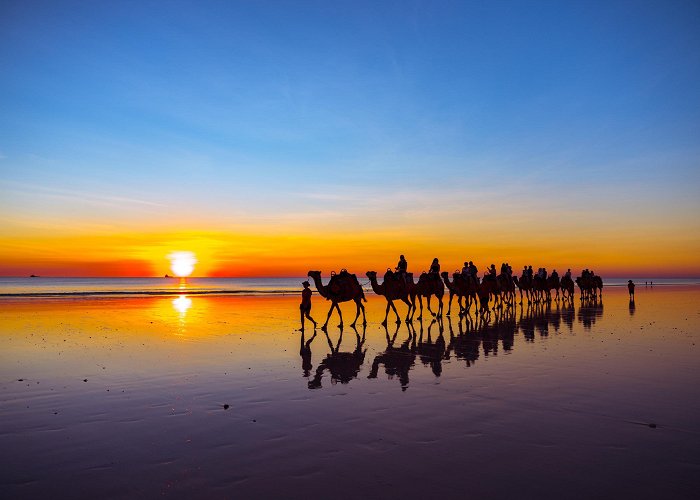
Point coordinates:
[[124, 398]]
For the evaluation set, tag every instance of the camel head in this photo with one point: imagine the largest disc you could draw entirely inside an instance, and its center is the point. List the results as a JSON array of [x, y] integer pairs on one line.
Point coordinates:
[[314, 274], [445, 274], [371, 275]]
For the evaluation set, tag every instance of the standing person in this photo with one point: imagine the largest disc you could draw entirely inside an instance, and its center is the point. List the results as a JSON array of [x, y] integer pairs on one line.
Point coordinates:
[[305, 306], [630, 288]]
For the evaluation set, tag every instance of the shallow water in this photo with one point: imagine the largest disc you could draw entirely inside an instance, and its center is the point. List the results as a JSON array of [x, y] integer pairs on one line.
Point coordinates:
[[124, 397]]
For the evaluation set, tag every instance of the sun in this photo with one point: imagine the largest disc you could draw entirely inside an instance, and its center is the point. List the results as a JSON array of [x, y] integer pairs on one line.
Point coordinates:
[[182, 263]]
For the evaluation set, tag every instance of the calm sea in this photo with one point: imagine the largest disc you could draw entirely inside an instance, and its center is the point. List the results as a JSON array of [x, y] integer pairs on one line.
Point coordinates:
[[49, 287]]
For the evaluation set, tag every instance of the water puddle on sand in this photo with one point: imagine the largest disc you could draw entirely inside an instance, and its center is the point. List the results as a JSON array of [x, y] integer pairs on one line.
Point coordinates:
[[220, 397]]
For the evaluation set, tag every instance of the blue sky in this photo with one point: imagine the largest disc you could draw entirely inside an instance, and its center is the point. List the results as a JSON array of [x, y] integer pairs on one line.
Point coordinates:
[[244, 112]]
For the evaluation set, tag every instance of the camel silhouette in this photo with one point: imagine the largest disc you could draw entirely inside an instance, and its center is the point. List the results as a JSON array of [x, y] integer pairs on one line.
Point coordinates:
[[342, 287], [462, 287], [591, 287], [524, 284], [429, 284], [394, 287], [567, 288]]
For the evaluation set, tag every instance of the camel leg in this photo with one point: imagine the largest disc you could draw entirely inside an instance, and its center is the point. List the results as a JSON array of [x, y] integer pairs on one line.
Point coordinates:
[[429, 309], [328, 317], [450, 306], [420, 302], [386, 314], [440, 306], [406, 301], [340, 325], [357, 314], [398, 319]]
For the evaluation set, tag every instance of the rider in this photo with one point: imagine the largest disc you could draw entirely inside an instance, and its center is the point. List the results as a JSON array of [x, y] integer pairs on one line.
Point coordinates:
[[568, 274], [555, 275], [466, 273], [435, 267], [402, 267], [530, 273], [491, 273], [473, 272]]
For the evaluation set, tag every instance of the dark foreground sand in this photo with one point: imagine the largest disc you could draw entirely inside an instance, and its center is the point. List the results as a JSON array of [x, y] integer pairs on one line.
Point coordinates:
[[124, 398]]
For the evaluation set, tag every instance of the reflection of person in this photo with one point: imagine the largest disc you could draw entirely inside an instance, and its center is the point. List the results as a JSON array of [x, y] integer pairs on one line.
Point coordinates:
[[305, 352], [305, 306], [630, 288]]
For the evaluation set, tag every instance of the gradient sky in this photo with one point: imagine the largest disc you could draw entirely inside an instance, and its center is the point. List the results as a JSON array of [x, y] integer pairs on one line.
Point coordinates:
[[274, 137]]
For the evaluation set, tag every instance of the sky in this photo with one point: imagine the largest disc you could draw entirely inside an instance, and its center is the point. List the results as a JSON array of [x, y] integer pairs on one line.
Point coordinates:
[[270, 138]]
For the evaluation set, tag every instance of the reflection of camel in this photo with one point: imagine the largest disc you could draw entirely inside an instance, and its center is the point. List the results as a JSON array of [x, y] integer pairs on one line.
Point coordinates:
[[429, 284], [465, 346], [432, 353], [341, 288], [394, 287], [461, 287], [397, 361], [589, 312], [305, 352], [343, 366]]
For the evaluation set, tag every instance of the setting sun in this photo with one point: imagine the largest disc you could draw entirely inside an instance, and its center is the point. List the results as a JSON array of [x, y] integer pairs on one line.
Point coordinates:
[[182, 263]]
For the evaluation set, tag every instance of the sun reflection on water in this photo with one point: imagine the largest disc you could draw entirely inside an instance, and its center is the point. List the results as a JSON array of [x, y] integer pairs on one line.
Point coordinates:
[[181, 304]]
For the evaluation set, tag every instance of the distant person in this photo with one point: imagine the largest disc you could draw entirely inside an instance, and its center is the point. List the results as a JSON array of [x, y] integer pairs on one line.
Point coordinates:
[[305, 306], [568, 274], [630, 288]]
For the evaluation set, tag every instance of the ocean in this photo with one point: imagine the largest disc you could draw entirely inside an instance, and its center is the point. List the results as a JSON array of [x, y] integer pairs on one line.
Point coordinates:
[[56, 287]]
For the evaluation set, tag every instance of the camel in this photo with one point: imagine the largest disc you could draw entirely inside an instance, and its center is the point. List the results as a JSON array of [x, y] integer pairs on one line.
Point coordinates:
[[484, 291], [461, 287], [553, 283], [567, 288], [428, 285], [394, 288], [524, 284], [590, 286], [342, 287], [507, 289]]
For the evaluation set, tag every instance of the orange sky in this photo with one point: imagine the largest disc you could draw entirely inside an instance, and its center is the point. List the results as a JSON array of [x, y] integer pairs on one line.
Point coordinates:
[[221, 253]]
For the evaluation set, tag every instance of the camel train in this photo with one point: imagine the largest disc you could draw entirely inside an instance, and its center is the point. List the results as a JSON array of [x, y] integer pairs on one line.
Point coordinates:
[[469, 289]]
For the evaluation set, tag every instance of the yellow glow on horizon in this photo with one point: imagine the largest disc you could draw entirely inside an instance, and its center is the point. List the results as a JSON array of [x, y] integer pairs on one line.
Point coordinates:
[[182, 263]]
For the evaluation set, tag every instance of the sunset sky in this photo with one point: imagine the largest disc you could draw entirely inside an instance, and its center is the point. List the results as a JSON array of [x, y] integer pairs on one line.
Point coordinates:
[[269, 138]]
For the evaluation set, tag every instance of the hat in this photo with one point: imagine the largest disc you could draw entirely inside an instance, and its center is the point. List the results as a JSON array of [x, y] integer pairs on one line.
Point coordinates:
[[305, 283]]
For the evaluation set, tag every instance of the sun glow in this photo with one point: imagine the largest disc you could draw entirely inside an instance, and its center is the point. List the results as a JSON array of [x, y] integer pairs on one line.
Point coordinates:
[[182, 263]]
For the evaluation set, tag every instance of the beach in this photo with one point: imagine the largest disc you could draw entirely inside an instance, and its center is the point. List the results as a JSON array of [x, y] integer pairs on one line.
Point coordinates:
[[219, 396]]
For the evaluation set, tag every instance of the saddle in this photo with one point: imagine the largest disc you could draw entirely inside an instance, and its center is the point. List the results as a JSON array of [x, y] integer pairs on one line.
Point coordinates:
[[341, 282]]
